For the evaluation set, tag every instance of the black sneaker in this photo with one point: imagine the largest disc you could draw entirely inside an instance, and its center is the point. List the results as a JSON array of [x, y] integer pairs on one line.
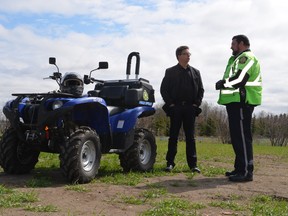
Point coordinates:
[[169, 168], [231, 173], [195, 169], [241, 178]]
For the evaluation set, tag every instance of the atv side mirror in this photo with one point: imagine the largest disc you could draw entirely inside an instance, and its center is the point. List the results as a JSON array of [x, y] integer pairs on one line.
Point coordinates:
[[103, 65], [52, 60], [87, 80]]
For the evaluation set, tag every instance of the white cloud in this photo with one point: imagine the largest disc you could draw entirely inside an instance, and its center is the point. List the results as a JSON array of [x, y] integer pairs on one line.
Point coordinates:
[[154, 28]]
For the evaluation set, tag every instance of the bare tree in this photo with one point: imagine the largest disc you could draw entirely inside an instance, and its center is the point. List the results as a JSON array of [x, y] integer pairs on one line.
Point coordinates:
[[276, 128], [222, 128], [213, 121]]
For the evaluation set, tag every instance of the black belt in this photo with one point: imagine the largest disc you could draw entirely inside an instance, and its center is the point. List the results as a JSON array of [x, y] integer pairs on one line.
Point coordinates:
[[184, 103]]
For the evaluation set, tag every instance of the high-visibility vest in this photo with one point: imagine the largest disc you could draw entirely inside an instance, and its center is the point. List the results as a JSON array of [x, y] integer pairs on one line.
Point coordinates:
[[237, 68]]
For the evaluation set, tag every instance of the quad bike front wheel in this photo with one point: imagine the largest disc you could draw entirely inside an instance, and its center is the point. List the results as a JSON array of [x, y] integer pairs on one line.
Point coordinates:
[[15, 156], [142, 154], [80, 156]]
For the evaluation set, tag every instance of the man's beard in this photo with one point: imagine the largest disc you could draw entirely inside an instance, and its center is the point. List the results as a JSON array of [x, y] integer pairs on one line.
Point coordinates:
[[235, 53]]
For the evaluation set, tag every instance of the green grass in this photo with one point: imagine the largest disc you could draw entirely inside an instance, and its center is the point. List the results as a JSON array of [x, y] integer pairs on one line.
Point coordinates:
[[78, 188], [213, 159], [232, 205], [12, 198], [40, 181], [267, 205], [5, 190], [153, 193], [173, 207], [132, 200], [40, 208], [48, 161], [280, 154], [119, 178]]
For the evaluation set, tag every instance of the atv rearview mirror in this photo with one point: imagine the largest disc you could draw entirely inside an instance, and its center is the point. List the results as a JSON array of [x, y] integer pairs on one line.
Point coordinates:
[[103, 65], [52, 60], [87, 80]]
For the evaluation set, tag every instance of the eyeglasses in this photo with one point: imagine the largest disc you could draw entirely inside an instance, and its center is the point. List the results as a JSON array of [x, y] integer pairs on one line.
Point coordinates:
[[187, 54]]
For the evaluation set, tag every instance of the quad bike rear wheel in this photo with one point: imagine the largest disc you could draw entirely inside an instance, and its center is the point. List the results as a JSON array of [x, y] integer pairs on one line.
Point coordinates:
[[80, 156], [15, 156], [142, 154]]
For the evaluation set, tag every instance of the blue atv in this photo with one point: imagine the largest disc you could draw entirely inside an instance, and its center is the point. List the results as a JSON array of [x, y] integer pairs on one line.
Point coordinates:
[[81, 128]]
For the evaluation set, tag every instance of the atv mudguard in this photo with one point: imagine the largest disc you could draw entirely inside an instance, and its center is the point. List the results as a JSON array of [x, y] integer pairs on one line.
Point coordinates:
[[93, 112], [125, 121], [89, 111]]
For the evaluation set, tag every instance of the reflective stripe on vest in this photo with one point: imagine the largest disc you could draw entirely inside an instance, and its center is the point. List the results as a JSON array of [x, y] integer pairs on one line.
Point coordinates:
[[225, 91], [241, 77], [256, 82]]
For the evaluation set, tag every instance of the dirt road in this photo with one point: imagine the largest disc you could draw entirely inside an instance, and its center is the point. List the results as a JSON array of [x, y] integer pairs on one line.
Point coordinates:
[[270, 178]]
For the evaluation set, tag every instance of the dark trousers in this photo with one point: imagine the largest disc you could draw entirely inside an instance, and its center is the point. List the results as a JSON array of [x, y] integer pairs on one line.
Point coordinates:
[[240, 118], [182, 114]]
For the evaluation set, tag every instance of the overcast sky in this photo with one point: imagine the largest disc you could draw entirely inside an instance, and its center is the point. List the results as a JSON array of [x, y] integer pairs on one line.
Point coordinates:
[[80, 33]]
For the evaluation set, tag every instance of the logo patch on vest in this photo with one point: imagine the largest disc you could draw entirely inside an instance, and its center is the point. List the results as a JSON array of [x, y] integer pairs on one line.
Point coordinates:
[[243, 59]]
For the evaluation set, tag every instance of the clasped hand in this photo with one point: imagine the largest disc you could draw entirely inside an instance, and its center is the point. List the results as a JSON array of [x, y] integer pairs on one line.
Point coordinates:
[[219, 84]]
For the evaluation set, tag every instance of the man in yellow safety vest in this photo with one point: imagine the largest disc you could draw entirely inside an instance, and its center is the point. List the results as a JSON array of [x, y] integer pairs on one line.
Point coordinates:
[[240, 91]]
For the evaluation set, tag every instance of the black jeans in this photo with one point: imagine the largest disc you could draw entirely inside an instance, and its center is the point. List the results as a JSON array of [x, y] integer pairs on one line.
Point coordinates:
[[240, 118], [182, 114]]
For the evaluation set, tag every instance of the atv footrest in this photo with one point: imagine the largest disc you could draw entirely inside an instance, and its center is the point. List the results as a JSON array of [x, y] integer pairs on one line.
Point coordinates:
[[115, 151]]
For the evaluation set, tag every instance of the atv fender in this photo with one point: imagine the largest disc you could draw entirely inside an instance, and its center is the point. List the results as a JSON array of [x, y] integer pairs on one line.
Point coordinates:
[[91, 111], [125, 121]]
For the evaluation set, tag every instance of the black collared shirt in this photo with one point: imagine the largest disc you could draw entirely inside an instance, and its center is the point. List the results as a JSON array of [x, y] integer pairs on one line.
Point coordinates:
[[180, 84]]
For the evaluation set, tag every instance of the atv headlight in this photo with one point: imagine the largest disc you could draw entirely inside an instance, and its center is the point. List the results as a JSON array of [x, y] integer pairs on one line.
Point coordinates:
[[57, 104]]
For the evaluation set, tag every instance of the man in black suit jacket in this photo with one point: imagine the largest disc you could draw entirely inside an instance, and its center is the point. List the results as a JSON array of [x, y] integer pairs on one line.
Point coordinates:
[[182, 91]]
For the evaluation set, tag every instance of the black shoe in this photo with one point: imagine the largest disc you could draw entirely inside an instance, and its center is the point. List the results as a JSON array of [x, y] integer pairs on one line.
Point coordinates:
[[241, 178], [195, 169], [231, 173], [169, 168]]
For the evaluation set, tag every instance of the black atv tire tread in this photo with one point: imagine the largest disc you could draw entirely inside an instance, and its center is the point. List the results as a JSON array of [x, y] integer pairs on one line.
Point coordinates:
[[69, 155], [9, 159], [129, 160]]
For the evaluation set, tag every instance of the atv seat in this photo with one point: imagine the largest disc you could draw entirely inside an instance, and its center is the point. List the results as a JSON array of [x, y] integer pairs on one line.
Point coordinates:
[[125, 93], [112, 110], [114, 95]]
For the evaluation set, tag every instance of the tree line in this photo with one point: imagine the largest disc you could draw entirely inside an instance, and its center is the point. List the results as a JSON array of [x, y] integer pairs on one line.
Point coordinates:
[[213, 122]]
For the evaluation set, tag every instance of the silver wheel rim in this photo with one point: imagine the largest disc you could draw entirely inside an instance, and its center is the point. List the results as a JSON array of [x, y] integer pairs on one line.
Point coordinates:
[[145, 152], [88, 155]]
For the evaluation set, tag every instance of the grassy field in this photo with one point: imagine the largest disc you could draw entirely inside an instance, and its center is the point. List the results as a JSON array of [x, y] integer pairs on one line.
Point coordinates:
[[213, 158]]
